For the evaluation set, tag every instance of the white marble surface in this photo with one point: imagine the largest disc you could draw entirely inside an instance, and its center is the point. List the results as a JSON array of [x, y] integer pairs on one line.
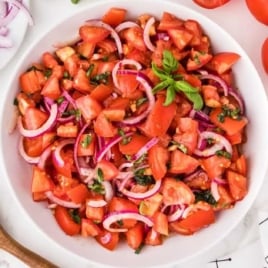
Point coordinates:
[[243, 245]]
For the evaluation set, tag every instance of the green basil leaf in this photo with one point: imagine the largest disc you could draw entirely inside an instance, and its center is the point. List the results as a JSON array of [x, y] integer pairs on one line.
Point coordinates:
[[170, 96]]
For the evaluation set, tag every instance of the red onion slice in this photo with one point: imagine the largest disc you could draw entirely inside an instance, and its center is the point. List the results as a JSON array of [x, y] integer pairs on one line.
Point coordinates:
[[217, 79], [44, 157], [45, 127], [60, 202], [177, 214], [117, 216], [57, 152], [125, 25], [153, 190], [220, 143], [146, 83], [109, 192], [214, 190], [119, 65], [146, 34], [114, 34], [97, 203], [144, 149]]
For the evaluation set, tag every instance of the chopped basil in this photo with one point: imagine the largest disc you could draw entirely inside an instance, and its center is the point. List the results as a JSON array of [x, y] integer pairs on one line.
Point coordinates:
[[60, 100], [170, 83], [180, 146], [141, 178], [89, 70], [205, 195], [138, 250], [228, 112], [125, 139], [47, 73], [100, 78], [224, 154], [74, 213], [86, 141]]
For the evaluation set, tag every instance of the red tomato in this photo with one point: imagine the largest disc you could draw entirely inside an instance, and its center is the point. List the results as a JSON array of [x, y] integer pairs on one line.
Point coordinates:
[[169, 21], [51, 88], [176, 192], [31, 81], [108, 169], [182, 163], [153, 238], [211, 3], [160, 223], [79, 193], [237, 184], [259, 9], [108, 240], [180, 37], [34, 118], [103, 127], [223, 61], [264, 55], [158, 157], [135, 235], [93, 34], [66, 222], [114, 16], [89, 228], [194, 222], [134, 38]]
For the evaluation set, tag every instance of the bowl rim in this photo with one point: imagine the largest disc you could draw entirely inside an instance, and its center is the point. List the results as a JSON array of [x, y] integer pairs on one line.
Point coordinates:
[[18, 65]]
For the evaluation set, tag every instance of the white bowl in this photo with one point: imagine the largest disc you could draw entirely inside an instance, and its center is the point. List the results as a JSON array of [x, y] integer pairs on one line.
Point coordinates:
[[176, 249]]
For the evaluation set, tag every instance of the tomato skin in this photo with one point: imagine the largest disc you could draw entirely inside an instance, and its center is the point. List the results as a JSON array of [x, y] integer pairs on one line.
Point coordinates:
[[194, 222], [114, 16], [135, 235], [108, 240], [259, 9], [237, 184], [176, 192], [210, 4], [66, 222], [93, 34], [264, 55]]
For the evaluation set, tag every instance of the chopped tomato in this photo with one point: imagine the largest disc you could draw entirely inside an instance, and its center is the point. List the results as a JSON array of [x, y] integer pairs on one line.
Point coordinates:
[[160, 223], [93, 34], [215, 165], [79, 193], [176, 192], [194, 221], [182, 163], [150, 206], [237, 184], [49, 60], [32, 81], [108, 169], [89, 107], [169, 21], [86, 144], [158, 157], [198, 60], [153, 238], [81, 82], [86, 49], [114, 114], [223, 61], [34, 118], [66, 222], [89, 228], [68, 130], [101, 92], [135, 235], [103, 126], [159, 119], [131, 145], [134, 38], [180, 37], [108, 240], [229, 125], [114, 16]]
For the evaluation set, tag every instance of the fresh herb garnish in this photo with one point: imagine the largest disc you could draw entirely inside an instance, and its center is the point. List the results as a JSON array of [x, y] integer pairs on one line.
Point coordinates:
[[100, 78], [138, 250], [75, 1], [180, 146], [97, 186], [90, 70], [206, 196], [142, 178], [229, 112], [74, 213], [170, 82], [86, 141], [223, 154]]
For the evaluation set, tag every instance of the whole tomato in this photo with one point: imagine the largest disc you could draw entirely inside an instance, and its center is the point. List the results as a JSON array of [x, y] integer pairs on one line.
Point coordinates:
[[259, 9], [264, 55], [210, 4]]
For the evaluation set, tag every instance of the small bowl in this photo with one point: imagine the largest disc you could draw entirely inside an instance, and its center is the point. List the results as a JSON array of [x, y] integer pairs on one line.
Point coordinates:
[[176, 249]]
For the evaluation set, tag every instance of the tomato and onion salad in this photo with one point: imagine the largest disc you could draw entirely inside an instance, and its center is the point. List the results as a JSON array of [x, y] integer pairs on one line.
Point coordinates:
[[135, 131]]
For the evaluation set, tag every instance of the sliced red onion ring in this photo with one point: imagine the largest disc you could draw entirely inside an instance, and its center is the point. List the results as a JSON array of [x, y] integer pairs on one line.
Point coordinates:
[[117, 216], [111, 143], [109, 192], [97, 203], [153, 190], [125, 25], [177, 214], [60, 202], [45, 127], [114, 34], [220, 143], [26, 157], [236, 95], [57, 152], [146, 82], [146, 34], [220, 181], [44, 157], [144, 149], [214, 190], [217, 79], [119, 65], [76, 145]]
